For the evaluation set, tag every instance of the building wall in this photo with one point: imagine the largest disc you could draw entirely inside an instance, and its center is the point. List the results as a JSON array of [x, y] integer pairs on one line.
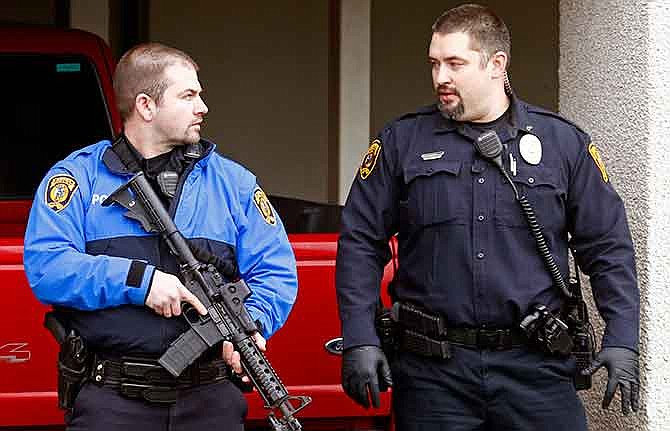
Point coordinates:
[[264, 68], [606, 87], [91, 16]]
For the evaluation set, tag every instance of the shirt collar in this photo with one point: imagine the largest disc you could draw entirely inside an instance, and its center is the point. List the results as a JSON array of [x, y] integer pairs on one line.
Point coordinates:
[[518, 120]]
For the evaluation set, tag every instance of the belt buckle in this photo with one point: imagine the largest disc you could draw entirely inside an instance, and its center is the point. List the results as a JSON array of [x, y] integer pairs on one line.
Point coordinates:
[[150, 393], [135, 370], [493, 339]]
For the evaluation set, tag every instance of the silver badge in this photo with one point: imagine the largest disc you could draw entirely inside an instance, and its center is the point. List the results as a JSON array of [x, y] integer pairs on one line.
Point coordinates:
[[432, 156], [530, 148]]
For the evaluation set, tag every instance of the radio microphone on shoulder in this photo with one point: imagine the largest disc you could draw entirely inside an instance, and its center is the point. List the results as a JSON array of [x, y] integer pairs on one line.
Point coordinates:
[[488, 144]]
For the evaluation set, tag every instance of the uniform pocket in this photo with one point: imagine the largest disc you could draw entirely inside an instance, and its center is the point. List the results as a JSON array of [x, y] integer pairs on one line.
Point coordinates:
[[436, 192], [558, 368], [541, 186]]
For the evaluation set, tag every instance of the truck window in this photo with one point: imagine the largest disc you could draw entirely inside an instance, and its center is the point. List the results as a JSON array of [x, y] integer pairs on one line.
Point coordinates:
[[301, 216], [51, 105]]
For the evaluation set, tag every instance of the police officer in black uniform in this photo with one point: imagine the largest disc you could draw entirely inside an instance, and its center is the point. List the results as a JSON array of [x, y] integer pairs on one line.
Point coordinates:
[[470, 269]]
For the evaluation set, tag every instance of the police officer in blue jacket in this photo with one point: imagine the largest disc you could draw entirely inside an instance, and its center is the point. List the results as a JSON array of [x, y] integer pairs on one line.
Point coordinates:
[[113, 284], [469, 268]]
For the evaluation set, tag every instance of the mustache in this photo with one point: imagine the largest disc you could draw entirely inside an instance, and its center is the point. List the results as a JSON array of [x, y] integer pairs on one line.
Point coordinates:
[[446, 89]]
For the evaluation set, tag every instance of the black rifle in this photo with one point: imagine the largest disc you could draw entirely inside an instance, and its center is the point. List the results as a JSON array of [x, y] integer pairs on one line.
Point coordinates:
[[227, 318]]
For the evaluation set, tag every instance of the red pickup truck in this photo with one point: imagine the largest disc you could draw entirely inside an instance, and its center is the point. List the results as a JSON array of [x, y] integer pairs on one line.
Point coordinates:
[[58, 97]]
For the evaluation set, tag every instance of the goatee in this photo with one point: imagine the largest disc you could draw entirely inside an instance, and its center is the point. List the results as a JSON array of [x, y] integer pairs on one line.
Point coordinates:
[[454, 113]]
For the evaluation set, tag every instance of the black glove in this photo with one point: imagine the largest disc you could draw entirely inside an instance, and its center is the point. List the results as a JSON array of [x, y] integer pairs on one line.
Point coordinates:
[[226, 266], [623, 370], [364, 369]]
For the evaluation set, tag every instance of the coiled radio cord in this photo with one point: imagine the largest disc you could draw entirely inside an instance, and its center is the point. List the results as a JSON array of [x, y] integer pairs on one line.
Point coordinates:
[[488, 145]]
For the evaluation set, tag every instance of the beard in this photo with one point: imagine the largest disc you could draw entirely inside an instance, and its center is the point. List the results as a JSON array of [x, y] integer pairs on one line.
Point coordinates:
[[191, 136], [455, 112]]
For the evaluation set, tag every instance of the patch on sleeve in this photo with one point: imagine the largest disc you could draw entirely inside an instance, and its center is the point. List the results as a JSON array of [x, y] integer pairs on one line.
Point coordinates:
[[264, 207], [595, 154], [370, 158], [59, 192]]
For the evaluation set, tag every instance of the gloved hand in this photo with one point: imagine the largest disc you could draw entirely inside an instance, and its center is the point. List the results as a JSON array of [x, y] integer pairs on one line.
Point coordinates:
[[226, 266], [365, 368], [623, 370]]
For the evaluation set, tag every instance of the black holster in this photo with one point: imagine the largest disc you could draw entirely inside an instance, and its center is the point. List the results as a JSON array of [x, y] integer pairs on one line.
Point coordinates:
[[73, 361], [576, 315], [386, 331]]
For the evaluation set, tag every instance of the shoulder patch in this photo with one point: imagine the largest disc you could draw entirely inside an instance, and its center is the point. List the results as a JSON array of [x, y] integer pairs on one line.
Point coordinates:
[[264, 207], [595, 154], [59, 191], [370, 158]]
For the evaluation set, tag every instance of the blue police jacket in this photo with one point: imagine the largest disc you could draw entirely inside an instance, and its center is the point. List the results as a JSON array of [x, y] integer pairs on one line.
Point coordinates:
[[96, 265], [464, 247]]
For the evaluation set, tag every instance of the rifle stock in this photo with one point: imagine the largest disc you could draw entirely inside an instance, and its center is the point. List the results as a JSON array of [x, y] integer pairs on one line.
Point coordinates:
[[227, 318]]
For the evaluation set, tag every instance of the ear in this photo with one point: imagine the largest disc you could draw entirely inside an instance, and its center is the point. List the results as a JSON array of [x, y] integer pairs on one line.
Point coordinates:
[[145, 106], [498, 64]]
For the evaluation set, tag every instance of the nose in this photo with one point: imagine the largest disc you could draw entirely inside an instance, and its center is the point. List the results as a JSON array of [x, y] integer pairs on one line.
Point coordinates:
[[200, 107], [443, 76]]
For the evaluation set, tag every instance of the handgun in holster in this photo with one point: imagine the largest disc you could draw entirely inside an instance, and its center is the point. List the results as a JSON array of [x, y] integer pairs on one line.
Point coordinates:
[[385, 325], [73, 361]]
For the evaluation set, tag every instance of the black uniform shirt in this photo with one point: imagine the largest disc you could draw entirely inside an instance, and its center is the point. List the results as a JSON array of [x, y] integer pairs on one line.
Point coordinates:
[[465, 249]]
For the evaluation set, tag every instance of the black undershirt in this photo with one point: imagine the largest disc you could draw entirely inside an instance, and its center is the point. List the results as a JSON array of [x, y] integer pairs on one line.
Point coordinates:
[[173, 160], [500, 124]]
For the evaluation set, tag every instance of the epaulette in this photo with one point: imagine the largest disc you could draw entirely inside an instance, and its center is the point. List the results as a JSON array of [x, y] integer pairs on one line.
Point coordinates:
[[537, 110]]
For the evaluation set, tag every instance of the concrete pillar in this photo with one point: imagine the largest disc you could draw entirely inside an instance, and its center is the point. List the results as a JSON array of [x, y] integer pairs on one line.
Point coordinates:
[[92, 16], [613, 80], [657, 301], [354, 90]]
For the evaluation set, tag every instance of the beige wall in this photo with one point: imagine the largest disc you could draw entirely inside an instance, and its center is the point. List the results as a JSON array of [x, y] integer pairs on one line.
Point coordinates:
[[264, 67], [91, 16], [400, 35]]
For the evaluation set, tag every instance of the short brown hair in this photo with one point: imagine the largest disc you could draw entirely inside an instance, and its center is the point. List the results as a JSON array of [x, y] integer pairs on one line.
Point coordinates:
[[488, 32], [141, 70]]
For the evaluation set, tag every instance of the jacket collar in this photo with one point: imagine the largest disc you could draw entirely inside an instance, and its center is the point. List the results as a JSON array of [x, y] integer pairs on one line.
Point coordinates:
[[122, 158]]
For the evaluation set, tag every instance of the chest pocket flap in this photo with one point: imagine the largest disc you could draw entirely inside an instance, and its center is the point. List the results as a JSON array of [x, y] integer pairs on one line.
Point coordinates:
[[436, 192], [423, 168], [541, 185], [535, 176]]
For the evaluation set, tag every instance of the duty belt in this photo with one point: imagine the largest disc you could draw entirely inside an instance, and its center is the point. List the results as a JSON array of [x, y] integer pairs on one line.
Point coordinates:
[[143, 378], [427, 334], [471, 338]]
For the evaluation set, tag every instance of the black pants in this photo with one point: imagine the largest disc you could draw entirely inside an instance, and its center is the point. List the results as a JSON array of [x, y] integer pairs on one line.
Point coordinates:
[[486, 390], [214, 406]]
